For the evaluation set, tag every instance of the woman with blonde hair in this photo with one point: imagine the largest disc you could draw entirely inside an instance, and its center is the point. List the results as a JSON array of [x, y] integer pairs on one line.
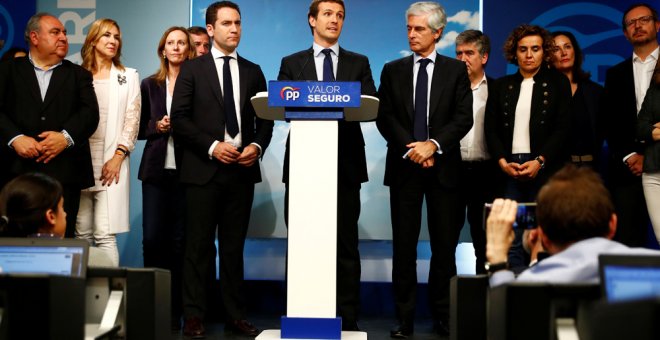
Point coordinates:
[[162, 194], [104, 207]]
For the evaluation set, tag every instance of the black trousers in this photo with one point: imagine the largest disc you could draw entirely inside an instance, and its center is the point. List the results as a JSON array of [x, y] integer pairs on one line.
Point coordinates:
[[477, 186], [632, 216], [224, 203], [445, 220], [163, 232]]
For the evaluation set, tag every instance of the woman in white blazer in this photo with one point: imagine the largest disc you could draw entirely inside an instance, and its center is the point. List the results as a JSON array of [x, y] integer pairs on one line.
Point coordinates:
[[104, 207]]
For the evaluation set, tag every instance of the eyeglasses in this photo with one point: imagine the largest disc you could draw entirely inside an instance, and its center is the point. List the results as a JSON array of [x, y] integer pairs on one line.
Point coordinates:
[[642, 20]]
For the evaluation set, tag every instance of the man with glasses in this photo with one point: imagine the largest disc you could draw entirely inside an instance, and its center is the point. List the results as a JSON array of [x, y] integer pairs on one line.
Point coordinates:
[[625, 87]]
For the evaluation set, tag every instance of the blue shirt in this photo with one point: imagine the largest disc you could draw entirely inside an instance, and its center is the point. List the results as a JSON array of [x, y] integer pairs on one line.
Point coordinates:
[[576, 264]]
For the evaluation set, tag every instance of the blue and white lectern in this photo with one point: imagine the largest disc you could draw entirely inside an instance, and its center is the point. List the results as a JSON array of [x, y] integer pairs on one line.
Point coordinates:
[[313, 109]]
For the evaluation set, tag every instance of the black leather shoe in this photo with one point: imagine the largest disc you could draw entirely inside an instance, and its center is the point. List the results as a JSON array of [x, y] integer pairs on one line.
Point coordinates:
[[241, 327], [401, 331], [194, 328], [350, 326], [441, 327]]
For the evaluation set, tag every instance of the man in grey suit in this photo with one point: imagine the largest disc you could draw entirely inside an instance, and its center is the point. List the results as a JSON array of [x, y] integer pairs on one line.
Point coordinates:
[[424, 161], [326, 19]]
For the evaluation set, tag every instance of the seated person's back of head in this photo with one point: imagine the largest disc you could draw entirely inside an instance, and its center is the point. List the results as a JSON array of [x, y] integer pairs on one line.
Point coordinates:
[[576, 221], [32, 205]]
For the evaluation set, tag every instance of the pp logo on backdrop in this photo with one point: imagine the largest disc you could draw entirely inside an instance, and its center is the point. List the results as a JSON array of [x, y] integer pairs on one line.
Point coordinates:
[[6, 30], [589, 30], [290, 93]]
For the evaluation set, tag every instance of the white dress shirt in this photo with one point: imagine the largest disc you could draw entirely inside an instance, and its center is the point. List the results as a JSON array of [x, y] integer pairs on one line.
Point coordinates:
[[429, 70], [319, 58], [473, 145], [523, 113]]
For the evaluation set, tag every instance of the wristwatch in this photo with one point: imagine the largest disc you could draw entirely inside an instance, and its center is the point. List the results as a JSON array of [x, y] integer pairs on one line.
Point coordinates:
[[540, 160], [494, 267]]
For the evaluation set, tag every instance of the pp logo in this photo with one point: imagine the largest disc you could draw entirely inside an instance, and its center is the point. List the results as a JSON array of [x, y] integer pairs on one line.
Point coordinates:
[[290, 93]]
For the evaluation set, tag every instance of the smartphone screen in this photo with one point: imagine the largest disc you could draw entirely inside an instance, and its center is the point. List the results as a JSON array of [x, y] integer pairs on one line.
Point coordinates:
[[525, 217]]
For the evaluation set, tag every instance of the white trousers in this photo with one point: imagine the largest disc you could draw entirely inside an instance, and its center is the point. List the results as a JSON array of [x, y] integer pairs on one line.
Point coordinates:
[[92, 223], [651, 184]]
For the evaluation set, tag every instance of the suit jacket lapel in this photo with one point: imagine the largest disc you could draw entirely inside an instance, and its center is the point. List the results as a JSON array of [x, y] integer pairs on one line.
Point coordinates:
[[242, 79], [309, 71], [212, 73], [26, 69], [437, 85], [56, 83], [407, 89], [343, 65]]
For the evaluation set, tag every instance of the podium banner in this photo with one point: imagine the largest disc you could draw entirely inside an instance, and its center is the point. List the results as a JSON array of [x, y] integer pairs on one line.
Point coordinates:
[[314, 94]]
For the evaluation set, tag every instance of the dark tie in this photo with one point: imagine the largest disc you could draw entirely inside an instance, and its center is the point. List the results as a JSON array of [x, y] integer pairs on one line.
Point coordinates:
[[420, 130], [328, 75], [231, 122]]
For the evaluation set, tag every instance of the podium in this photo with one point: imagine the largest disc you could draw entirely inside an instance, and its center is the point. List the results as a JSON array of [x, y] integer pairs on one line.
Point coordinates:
[[313, 109]]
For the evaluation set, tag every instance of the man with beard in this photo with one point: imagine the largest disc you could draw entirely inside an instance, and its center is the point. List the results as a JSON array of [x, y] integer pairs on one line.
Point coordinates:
[[625, 87]]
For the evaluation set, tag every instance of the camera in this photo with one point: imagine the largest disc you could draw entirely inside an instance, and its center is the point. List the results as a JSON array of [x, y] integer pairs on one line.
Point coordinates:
[[525, 216]]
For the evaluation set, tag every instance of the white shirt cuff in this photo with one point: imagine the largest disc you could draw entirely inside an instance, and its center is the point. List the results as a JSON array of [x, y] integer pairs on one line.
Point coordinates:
[[628, 156], [439, 152], [212, 148]]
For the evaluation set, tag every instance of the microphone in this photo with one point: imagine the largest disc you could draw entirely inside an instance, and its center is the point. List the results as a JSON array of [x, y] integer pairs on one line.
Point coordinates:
[[310, 54]]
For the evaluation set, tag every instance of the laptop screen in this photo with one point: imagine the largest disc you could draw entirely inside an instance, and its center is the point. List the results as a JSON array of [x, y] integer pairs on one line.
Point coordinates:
[[629, 277], [67, 257]]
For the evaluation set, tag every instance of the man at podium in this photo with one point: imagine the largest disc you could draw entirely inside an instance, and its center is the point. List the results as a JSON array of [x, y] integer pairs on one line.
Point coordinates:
[[423, 161], [326, 61]]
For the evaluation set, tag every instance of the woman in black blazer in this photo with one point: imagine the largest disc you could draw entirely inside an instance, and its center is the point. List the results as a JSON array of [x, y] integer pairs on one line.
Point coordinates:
[[162, 194], [527, 120], [586, 138], [648, 131]]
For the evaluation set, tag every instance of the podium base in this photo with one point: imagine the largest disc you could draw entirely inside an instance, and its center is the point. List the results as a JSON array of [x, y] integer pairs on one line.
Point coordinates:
[[274, 334]]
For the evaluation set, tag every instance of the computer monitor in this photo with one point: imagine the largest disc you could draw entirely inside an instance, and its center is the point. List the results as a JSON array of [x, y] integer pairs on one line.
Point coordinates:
[[66, 257], [629, 277]]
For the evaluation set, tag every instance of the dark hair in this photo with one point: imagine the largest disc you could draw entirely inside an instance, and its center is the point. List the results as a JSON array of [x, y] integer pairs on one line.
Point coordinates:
[[198, 30], [654, 13], [24, 202], [578, 73], [525, 30], [574, 205], [212, 10], [481, 41], [314, 9], [9, 54], [34, 25]]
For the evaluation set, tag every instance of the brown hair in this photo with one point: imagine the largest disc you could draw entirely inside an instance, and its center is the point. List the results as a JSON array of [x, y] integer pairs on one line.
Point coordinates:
[[161, 74], [314, 9], [574, 205], [96, 31], [525, 30]]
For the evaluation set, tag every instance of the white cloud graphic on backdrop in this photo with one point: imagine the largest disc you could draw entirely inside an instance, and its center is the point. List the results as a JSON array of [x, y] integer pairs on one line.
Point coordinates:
[[466, 19]]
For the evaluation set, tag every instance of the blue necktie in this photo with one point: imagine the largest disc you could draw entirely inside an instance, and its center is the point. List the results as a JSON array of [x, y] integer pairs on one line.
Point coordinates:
[[231, 122], [420, 130], [328, 75]]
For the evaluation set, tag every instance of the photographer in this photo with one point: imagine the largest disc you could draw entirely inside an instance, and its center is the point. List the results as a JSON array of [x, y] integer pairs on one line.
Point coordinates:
[[576, 223]]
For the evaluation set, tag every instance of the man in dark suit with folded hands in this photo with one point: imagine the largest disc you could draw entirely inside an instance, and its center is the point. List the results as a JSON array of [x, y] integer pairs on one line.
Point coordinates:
[[425, 110], [48, 111], [213, 119], [326, 19]]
